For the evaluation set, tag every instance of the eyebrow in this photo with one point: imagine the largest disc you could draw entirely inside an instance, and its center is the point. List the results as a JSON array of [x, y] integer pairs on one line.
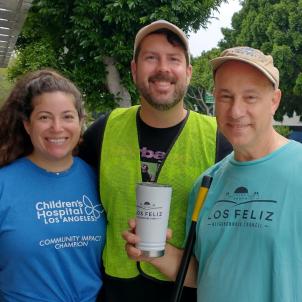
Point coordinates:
[[222, 90], [176, 53], [249, 90], [49, 112]]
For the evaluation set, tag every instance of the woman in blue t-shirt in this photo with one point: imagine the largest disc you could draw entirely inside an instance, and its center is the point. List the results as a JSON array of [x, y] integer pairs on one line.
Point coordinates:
[[52, 226]]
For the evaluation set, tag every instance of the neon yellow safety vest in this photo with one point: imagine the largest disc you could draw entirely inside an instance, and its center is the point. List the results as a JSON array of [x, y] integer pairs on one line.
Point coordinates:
[[120, 171]]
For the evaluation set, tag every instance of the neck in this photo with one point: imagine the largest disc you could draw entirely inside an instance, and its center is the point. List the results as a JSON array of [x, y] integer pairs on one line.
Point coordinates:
[[260, 149], [162, 119], [58, 165]]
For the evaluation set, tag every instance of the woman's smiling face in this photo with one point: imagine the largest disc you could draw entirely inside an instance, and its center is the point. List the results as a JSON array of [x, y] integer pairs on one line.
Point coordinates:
[[54, 127]]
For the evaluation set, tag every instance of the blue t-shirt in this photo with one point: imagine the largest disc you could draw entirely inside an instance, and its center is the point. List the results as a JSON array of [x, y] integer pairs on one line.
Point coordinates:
[[249, 244], [52, 232]]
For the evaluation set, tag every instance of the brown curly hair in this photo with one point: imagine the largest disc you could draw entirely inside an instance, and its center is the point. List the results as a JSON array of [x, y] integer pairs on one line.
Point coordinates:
[[14, 141]]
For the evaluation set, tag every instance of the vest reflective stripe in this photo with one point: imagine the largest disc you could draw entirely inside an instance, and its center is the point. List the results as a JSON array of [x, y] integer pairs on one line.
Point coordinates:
[[192, 153]]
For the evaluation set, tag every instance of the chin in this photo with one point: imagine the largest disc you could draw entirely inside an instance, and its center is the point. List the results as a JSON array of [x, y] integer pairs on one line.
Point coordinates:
[[60, 156]]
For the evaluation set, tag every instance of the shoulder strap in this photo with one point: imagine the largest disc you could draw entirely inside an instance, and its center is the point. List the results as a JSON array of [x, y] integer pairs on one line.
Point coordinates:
[[223, 147]]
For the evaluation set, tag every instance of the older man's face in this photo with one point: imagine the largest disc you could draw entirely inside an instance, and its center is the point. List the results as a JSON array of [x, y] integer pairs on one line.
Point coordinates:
[[245, 104]]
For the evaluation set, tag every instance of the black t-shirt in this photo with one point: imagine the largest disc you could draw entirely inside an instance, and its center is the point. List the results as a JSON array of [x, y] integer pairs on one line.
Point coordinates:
[[155, 143]]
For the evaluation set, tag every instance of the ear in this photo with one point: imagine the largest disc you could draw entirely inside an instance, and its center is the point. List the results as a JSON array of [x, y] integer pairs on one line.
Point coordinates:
[[26, 125], [189, 73], [276, 100], [133, 70], [214, 91], [82, 121], [82, 124]]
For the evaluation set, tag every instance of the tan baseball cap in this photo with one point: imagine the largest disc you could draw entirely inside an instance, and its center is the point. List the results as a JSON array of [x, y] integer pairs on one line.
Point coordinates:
[[156, 25], [251, 56]]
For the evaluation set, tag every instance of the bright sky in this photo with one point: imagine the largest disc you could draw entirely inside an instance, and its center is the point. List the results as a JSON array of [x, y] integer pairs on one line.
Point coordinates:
[[206, 39]]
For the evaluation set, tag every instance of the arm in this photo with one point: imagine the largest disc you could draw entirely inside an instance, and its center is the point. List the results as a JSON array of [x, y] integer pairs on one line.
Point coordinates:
[[168, 264], [91, 144]]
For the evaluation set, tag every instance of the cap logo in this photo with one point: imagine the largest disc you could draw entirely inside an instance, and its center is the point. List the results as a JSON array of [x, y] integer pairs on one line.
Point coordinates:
[[249, 52]]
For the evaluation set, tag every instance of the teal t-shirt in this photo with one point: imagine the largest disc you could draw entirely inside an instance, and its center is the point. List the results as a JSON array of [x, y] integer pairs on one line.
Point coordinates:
[[249, 233]]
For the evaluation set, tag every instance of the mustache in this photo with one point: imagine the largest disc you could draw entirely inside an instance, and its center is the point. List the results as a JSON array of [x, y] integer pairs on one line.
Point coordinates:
[[162, 77]]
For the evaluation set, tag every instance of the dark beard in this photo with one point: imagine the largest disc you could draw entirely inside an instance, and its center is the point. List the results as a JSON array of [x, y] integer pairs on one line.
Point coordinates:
[[177, 96]]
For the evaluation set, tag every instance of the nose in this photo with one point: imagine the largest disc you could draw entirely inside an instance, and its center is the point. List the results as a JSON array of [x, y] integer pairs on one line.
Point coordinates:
[[163, 65], [237, 109], [56, 125]]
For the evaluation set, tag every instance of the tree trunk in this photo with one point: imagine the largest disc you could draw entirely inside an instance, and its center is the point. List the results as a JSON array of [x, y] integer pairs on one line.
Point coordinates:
[[114, 83]]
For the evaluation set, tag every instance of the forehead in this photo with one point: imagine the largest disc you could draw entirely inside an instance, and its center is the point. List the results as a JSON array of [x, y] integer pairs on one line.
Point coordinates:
[[241, 73], [54, 100], [159, 43]]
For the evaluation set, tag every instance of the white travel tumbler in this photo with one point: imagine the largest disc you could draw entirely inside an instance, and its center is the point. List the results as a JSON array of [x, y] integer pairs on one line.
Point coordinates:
[[152, 215]]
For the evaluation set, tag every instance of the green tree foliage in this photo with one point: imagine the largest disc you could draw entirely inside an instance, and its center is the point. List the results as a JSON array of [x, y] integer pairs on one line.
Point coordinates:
[[283, 130], [5, 85], [201, 82], [76, 36], [202, 75], [275, 27]]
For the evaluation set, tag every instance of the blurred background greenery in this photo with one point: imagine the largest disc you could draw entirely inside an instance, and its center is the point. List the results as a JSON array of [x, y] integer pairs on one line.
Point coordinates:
[[5, 85]]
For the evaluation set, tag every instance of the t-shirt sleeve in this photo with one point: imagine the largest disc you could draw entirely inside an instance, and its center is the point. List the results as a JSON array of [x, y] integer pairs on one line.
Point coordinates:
[[91, 144]]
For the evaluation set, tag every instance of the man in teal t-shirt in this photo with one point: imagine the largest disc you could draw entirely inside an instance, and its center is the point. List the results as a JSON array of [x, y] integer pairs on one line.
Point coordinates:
[[248, 245]]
